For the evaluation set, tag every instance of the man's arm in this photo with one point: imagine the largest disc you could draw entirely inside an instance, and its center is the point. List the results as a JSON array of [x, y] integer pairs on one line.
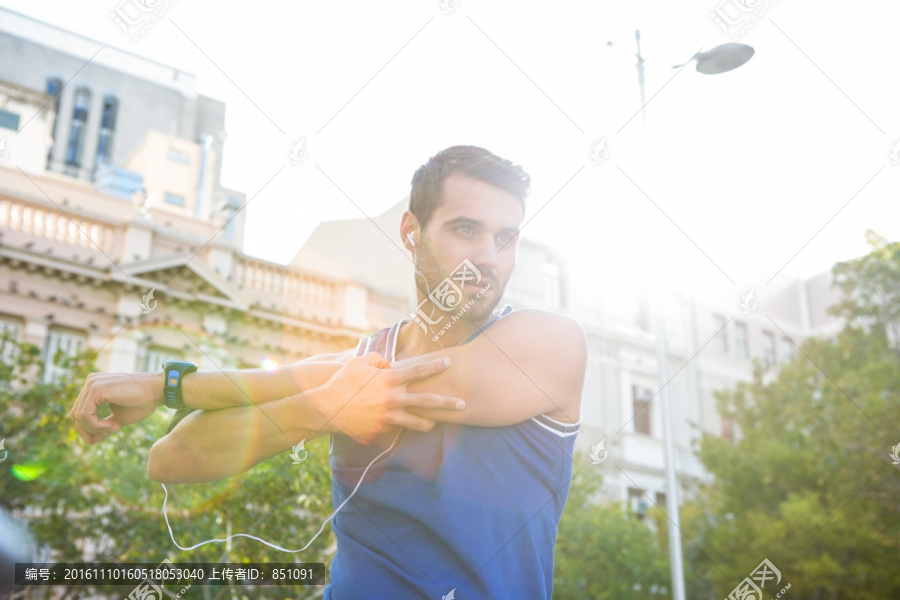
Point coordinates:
[[211, 445], [133, 397], [530, 362], [215, 389]]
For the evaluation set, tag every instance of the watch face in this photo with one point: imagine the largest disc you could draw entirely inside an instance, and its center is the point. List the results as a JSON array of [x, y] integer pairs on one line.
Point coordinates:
[[173, 377]]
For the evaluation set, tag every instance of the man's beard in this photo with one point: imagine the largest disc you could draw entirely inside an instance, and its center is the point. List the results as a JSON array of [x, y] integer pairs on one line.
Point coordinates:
[[479, 312]]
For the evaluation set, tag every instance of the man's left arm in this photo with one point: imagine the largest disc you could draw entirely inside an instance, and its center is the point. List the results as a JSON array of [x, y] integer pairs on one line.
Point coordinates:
[[528, 363]]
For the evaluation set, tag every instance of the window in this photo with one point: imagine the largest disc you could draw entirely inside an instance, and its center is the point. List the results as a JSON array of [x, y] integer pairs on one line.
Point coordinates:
[[107, 129], [9, 336], [728, 429], [638, 503], [740, 340], [768, 348], [54, 85], [79, 122], [787, 348], [68, 343], [9, 120], [173, 199], [156, 356], [722, 336], [229, 208], [641, 404]]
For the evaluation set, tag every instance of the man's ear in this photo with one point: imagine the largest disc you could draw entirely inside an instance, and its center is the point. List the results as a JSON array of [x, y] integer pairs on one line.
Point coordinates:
[[409, 226]]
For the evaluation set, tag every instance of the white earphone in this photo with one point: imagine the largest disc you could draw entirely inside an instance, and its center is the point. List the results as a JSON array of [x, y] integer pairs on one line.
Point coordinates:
[[415, 257], [269, 544]]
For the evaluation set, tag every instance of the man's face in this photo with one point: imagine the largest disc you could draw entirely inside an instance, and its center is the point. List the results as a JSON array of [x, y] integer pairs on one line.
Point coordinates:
[[474, 221]]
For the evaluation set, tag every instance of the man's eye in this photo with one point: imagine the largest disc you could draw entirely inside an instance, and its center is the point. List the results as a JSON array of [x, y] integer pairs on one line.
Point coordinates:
[[464, 229]]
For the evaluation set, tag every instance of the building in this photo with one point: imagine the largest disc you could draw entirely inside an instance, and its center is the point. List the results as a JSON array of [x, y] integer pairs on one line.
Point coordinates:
[[116, 233], [712, 342], [104, 102]]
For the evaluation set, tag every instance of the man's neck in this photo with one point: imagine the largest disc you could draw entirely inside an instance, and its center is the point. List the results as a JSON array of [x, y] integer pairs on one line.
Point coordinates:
[[412, 341]]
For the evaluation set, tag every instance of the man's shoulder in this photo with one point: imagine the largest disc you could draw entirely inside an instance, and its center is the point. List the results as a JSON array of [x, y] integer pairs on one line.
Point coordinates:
[[554, 348], [538, 324]]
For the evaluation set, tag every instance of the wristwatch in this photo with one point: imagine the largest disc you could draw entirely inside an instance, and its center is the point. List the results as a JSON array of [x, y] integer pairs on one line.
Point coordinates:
[[174, 372]]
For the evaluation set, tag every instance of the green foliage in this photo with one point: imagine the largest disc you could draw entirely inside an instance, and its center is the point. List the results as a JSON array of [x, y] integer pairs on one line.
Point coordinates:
[[810, 484], [602, 551], [96, 502], [869, 286]]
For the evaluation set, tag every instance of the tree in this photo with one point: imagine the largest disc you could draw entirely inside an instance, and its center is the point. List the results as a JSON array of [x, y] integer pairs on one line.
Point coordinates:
[[870, 289], [96, 502], [810, 484], [602, 551]]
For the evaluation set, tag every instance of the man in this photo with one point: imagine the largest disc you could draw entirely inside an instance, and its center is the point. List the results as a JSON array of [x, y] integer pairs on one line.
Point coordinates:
[[468, 465]]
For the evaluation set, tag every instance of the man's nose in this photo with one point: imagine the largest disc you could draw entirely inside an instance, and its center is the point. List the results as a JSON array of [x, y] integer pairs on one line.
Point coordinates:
[[486, 254]]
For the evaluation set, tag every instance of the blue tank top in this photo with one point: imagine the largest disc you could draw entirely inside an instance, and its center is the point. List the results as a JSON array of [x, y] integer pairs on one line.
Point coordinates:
[[472, 510]]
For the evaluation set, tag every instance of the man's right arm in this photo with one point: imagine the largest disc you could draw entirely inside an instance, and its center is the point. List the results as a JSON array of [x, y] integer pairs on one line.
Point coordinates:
[[133, 397], [211, 445]]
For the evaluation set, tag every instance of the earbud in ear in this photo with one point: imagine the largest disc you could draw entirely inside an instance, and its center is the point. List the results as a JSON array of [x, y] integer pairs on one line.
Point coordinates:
[[409, 236]]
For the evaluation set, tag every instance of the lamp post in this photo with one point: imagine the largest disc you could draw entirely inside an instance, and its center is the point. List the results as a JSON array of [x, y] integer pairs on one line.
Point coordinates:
[[720, 59]]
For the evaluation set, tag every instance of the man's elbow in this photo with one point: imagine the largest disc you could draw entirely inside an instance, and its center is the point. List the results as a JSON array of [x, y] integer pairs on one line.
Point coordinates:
[[165, 464]]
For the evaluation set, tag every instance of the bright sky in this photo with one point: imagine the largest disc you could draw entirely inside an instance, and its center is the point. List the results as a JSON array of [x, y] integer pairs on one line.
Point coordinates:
[[778, 166]]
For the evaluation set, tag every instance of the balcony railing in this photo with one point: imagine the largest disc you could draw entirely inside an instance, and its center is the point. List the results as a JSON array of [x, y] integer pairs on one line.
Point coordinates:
[[51, 224], [293, 292], [262, 284]]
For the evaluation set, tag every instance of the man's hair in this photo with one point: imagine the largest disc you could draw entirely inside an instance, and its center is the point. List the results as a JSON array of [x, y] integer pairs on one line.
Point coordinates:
[[428, 181]]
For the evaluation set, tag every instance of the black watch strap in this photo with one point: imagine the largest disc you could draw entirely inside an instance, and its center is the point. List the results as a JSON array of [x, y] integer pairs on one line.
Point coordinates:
[[174, 372]]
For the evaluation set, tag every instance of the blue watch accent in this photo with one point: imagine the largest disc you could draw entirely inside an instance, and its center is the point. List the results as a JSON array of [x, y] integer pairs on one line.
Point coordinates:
[[174, 371]]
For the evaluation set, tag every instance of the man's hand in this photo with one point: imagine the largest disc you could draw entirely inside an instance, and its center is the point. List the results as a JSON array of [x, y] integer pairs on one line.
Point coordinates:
[[365, 396], [132, 397]]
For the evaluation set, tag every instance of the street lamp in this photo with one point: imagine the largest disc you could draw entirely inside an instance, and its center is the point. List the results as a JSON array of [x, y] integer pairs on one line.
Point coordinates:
[[720, 59]]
